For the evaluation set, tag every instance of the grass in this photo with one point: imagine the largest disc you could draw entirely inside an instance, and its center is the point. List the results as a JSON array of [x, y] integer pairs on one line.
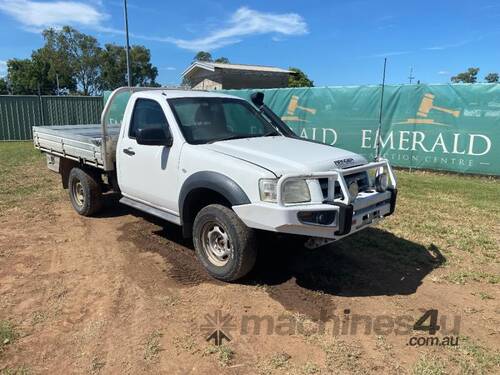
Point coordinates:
[[483, 295], [473, 358], [224, 354], [279, 360], [466, 358], [152, 348], [461, 277], [8, 334], [23, 370], [25, 177], [429, 365], [455, 215]]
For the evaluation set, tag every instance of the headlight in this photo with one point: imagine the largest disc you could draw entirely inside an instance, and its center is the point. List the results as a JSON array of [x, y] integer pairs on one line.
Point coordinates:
[[267, 189], [381, 182], [353, 189], [296, 191]]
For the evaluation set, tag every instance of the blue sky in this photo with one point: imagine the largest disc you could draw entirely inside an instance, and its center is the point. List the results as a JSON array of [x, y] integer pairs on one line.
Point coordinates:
[[335, 42]]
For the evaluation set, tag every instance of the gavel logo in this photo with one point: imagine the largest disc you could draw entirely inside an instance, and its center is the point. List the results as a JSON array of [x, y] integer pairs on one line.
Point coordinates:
[[428, 103], [294, 105]]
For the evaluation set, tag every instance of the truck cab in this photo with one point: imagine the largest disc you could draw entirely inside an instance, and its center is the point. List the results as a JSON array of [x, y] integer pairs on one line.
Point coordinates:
[[224, 169]]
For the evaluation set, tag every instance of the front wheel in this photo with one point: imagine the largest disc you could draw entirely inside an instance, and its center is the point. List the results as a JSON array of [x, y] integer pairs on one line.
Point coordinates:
[[225, 246]]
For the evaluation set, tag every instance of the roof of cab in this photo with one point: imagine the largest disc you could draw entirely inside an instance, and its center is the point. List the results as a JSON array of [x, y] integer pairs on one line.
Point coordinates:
[[171, 94]]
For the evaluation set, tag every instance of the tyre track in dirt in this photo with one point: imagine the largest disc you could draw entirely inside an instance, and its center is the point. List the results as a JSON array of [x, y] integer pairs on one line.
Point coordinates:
[[105, 284]]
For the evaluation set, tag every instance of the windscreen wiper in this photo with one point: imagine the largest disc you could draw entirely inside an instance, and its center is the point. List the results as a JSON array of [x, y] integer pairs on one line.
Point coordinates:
[[234, 136]]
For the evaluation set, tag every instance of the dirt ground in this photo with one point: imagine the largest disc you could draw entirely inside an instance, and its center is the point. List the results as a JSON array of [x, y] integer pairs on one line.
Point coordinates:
[[124, 293]]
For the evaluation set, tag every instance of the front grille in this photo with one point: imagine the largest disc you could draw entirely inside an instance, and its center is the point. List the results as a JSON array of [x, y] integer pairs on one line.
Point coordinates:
[[361, 178]]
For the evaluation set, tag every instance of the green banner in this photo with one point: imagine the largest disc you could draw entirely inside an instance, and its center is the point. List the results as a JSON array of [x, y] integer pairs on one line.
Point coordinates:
[[442, 127]]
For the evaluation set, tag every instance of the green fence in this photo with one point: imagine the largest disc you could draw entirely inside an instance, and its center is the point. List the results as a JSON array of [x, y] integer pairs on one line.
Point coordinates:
[[441, 127], [18, 113]]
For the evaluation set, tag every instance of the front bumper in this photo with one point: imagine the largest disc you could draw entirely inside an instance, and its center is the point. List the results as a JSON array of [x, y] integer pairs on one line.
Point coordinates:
[[350, 214]]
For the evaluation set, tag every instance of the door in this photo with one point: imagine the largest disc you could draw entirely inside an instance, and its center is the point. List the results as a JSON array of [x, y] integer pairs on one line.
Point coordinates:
[[148, 173]]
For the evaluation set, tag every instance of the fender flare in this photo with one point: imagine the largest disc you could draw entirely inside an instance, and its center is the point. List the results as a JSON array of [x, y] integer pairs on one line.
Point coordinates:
[[214, 181]]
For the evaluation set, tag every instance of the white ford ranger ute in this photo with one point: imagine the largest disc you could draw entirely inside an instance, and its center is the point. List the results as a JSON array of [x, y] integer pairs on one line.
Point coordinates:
[[220, 167]]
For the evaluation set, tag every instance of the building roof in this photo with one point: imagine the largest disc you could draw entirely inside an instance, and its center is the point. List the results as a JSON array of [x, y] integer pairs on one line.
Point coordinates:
[[211, 66]]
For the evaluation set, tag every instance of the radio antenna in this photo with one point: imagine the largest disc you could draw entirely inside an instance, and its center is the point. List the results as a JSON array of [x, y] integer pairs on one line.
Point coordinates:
[[379, 136]]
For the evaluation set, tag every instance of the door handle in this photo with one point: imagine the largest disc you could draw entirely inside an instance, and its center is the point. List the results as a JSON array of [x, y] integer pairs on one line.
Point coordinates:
[[129, 151]]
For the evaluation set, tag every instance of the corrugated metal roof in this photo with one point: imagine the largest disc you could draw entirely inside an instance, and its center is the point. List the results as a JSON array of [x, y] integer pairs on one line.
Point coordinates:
[[213, 65]]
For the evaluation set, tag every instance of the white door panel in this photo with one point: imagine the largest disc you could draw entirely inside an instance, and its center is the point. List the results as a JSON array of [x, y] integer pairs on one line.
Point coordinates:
[[148, 173]]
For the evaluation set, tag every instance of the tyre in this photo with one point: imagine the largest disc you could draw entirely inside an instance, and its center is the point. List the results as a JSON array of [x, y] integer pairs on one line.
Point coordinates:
[[225, 246], [84, 192]]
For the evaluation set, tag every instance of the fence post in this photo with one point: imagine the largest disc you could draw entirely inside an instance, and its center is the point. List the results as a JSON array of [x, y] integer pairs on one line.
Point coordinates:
[[40, 106]]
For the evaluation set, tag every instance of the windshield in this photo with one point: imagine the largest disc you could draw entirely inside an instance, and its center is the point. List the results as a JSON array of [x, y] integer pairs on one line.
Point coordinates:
[[207, 120]]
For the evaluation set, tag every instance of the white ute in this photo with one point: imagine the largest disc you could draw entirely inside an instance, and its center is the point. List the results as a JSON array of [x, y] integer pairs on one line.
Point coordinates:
[[221, 168]]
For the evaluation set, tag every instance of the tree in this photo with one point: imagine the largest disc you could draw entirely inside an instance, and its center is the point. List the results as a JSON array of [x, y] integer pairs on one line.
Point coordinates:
[[61, 68], [222, 60], [470, 76], [114, 67], [4, 86], [29, 77], [75, 62], [491, 78], [81, 52], [203, 56], [299, 79], [143, 72]]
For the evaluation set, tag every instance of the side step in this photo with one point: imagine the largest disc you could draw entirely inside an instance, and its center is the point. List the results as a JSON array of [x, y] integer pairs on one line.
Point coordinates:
[[151, 210]]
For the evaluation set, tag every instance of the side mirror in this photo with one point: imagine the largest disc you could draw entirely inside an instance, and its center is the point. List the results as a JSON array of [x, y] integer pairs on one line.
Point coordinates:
[[257, 99], [154, 137]]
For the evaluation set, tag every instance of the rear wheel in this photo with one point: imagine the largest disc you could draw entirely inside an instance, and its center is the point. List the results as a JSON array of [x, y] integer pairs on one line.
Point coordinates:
[[84, 192], [225, 246]]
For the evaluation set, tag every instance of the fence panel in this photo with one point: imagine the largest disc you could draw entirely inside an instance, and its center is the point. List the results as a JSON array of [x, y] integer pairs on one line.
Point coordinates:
[[18, 113]]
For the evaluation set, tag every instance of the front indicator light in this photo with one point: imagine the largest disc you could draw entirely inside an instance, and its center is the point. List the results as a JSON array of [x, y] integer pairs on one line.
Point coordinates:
[[267, 190]]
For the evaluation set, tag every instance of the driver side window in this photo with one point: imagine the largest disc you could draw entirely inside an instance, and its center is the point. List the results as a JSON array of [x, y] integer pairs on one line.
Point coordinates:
[[147, 114]]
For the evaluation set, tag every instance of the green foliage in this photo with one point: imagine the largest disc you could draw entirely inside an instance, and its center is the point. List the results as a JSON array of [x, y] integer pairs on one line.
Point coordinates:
[[29, 76], [7, 334], [207, 56], [491, 78], [114, 67], [75, 55], [55, 54], [470, 76], [4, 86], [222, 60], [143, 72], [76, 62], [299, 79], [203, 56]]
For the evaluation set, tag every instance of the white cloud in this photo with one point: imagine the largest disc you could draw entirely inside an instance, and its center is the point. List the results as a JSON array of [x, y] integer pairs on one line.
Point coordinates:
[[447, 46], [388, 54], [169, 68], [444, 73], [243, 23], [35, 16]]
